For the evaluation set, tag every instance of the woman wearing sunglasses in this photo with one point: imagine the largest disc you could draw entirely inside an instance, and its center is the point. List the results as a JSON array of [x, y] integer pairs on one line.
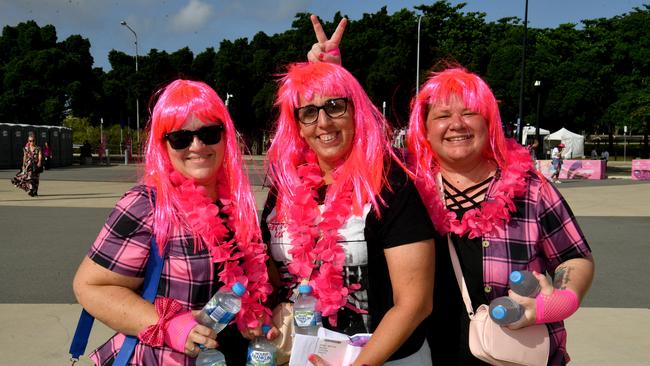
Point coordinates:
[[27, 178], [344, 217], [195, 200]]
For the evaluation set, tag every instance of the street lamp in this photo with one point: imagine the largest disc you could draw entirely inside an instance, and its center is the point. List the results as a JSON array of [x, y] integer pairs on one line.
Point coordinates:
[[417, 64], [538, 87], [137, 101], [228, 96], [523, 72]]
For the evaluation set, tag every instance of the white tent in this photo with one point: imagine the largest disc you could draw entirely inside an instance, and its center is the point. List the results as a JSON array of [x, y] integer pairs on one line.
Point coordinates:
[[529, 132], [574, 144]]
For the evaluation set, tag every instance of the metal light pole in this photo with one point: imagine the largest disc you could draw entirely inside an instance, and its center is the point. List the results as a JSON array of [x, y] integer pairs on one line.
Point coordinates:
[[228, 96], [417, 64], [137, 101], [523, 72], [538, 87]]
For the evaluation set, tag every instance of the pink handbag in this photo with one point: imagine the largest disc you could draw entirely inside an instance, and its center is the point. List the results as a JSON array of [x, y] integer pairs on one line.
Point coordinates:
[[499, 345]]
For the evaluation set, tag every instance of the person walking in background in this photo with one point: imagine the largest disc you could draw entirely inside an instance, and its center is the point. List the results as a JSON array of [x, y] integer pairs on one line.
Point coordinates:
[[195, 200], [556, 163], [532, 150], [605, 155], [28, 178], [47, 155]]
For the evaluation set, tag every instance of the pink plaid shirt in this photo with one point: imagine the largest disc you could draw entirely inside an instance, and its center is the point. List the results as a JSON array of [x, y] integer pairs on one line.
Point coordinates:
[[542, 234], [123, 245]]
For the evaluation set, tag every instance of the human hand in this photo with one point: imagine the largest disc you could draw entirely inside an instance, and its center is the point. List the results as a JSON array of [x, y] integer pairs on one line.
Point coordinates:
[[251, 333], [326, 50], [529, 303], [183, 334], [200, 337], [317, 361]]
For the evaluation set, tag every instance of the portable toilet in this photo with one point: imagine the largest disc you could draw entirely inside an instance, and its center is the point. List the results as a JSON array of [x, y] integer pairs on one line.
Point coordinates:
[[18, 141], [5, 146], [65, 146]]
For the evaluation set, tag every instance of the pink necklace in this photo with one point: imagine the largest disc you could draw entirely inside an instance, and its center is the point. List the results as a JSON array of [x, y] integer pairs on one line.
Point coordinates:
[[491, 214], [241, 260], [316, 254]]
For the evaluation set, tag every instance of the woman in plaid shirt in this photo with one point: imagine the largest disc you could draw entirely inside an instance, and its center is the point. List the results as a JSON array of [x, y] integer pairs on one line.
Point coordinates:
[[195, 199], [500, 213]]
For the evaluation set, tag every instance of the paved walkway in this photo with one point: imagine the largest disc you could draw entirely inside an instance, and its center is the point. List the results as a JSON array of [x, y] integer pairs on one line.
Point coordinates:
[[38, 312]]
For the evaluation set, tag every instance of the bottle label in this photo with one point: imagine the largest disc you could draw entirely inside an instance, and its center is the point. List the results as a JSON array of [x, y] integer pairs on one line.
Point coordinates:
[[218, 363], [261, 358], [306, 318], [220, 315]]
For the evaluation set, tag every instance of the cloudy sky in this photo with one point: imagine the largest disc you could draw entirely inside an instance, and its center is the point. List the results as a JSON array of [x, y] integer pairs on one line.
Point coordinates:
[[172, 24]]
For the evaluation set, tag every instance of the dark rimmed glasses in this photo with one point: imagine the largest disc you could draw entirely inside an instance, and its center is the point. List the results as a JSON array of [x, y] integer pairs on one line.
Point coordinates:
[[334, 108], [181, 139]]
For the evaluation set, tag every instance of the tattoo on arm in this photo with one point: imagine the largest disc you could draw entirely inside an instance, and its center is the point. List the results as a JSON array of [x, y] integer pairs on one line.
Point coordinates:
[[561, 277]]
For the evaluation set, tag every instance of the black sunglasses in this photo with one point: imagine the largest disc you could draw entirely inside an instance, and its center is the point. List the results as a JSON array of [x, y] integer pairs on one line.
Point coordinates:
[[308, 115], [181, 139]]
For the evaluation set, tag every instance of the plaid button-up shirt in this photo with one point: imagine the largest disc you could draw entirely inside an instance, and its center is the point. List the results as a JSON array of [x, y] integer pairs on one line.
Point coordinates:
[[189, 277], [542, 234]]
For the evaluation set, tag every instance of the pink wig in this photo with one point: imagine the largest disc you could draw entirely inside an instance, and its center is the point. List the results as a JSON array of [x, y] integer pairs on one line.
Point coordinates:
[[177, 102], [476, 95], [365, 166]]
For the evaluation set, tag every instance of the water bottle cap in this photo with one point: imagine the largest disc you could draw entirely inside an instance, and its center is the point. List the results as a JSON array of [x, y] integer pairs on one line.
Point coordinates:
[[516, 277], [265, 329], [304, 289], [499, 312], [238, 289]]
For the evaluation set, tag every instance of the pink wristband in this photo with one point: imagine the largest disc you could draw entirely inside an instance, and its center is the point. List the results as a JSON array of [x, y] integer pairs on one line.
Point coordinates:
[[178, 329], [555, 307]]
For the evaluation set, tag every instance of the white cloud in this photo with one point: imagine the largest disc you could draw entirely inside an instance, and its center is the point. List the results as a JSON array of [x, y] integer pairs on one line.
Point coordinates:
[[192, 17]]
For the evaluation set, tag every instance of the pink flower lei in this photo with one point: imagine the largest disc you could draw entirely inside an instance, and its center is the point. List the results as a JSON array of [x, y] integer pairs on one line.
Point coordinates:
[[240, 260], [492, 214], [315, 251]]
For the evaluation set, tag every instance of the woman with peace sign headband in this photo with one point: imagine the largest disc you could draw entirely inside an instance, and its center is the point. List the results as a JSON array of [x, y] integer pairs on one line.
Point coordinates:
[[344, 216], [499, 213]]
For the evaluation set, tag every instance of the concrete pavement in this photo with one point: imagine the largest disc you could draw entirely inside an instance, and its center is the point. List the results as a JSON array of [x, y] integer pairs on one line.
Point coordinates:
[[38, 312]]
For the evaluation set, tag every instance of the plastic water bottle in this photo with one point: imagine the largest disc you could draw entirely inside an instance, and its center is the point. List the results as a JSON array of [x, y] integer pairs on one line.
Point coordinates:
[[210, 357], [306, 319], [261, 352], [524, 283], [222, 308], [504, 310]]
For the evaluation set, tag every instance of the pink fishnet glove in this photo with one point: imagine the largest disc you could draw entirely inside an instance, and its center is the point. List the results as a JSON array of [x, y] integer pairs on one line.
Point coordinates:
[[555, 307], [178, 329]]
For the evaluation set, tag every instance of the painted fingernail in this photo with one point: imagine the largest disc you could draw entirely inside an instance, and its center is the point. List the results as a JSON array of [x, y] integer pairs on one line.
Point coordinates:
[[321, 56], [312, 358]]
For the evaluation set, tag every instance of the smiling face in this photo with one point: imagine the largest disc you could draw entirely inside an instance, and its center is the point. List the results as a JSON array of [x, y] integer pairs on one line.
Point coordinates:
[[457, 135], [198, 161], [330, 138]]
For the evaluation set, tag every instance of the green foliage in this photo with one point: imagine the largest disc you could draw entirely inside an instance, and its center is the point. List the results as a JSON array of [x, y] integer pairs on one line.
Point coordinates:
[[594, 75]]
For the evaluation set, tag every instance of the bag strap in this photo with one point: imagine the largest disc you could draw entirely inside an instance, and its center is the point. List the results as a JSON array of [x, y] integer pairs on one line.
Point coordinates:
[[459, 277], [150, 288]]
